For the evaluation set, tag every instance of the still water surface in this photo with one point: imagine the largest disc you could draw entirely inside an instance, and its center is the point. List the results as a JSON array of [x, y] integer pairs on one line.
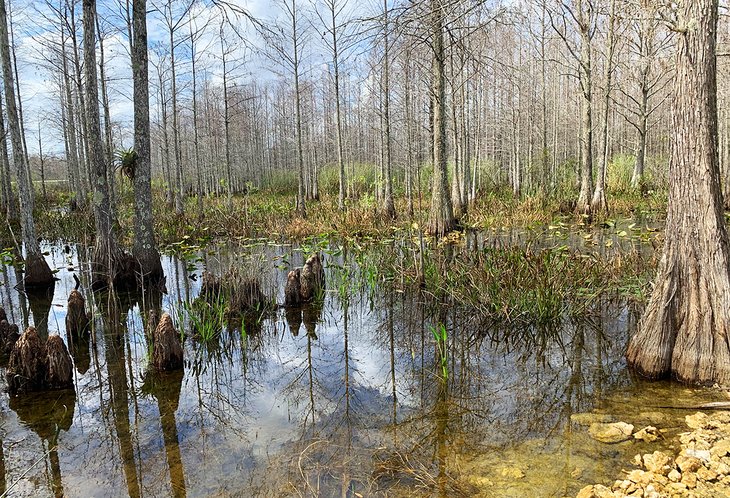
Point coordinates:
[[343, 399]]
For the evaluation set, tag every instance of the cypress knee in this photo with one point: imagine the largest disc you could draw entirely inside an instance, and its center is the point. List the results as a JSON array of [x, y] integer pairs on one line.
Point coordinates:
[[167, 351], [27, 365], [60, 374], [77, 320]]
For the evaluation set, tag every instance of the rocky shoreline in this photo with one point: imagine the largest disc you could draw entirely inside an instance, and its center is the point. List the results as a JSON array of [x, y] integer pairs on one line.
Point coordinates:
[[700, 469]]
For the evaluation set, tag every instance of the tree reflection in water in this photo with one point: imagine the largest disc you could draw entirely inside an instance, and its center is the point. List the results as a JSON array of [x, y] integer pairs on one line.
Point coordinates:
[[355, 401]]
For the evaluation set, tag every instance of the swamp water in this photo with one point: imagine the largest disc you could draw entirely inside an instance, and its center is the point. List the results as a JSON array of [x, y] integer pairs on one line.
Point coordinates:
[[348, 398]]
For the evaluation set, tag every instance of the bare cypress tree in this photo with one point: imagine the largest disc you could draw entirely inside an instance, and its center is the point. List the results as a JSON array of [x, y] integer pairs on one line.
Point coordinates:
[[76, 173], [37, 271], [583, 20], [389, 206], [685, 326], [106, 257], [296, 41], [441, 220], [334, 29], [108, 145], [598, 203], [581, 15], [145, 246]]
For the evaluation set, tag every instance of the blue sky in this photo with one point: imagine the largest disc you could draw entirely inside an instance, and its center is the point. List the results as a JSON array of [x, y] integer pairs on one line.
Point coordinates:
[[39, 89]]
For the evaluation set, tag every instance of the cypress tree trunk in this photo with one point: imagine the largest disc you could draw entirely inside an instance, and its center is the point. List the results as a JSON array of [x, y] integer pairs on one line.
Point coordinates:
[[75, 173], [9, 202], [684, 330], [598, 203], [106, 252], [301, 206], [441, 220], [37, 272], [586, 139], [389, 206], [145, 246]]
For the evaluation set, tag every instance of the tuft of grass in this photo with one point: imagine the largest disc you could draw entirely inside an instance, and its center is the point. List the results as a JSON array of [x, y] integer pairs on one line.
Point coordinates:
[[206, 319], [441, 337]]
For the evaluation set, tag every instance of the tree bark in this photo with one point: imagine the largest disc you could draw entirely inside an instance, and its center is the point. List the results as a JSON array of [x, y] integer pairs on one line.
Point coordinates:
[[389, 205], [72, 155], [441, 219], [586, 142], [9, 206], [106, 253], [684, 330], [37, 272], [145, 245], [598, 203]]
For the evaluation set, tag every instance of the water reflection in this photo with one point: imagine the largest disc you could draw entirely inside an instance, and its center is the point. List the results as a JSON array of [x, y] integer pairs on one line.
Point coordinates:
[[354, 402], [165, 387], [40, 307], [47, 414]]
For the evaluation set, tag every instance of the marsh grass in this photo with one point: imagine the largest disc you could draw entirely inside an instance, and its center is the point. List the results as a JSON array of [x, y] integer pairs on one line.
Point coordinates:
[[441, 337], [205, 319], [515, 284]]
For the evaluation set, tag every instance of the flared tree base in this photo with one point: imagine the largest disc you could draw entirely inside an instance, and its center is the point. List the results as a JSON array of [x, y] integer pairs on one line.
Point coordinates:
[[37, 273]]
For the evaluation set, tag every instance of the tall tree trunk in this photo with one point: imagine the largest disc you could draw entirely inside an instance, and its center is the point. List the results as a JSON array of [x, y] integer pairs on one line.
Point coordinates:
[[686, 324], [196, 135], [145, 245], [301, 207], [72, 156], [227, 126], [643, 116], [409, 130], [10, 203], [586, 139], [441, 220], [108, 147], [456, 172], [179, 187], [598, 203], [106, 253], [21, 119], [42, 162], [37, 272], [338, 111], [84, 155], [388, 205]]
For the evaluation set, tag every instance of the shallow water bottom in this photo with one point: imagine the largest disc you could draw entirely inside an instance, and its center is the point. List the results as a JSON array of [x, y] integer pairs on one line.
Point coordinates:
[[347, 398]]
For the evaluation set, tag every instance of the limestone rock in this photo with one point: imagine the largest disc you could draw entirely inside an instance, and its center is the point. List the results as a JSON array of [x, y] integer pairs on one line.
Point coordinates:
[[696, 421], [596, 491], [703, 455], [658, 462], [721, 448], [705, 474], [688, 463], [639, 477], [648, 434], [674, 475], [611, 433]]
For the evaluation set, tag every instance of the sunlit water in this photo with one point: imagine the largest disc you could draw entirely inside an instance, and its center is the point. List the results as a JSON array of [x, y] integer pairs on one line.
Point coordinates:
[[351, 402]]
